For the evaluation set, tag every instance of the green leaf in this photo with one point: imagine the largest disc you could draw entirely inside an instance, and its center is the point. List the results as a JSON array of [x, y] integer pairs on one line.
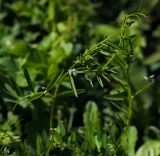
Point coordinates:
[[105, 53], [57, 138], [27, 76], [112, 45], [70, 93], [73, 85], [31, 97], [7, 139], [10, 90], [118, 80], [150, 148], [152, 59], [61, 128], [54, 81], [132, 138], [17, 88], [118, 97], [73, 137], [91, 118], [98, 144], [100, 81], [117, 90], [105, 77], [39, 145], [67, 47]]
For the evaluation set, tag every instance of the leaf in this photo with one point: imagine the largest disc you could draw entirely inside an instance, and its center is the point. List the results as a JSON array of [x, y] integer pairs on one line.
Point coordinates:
[[57, 138], [112, 45], [73, 137], [117, 90], [100, 81], [118, 80], [39, 144], [105, 53], [61, 128], [98, 144], [67, 47], [11, 91], [150, 148], [132, 138], [105, 77], [17, 88], [7, 139], [152, 59], [70, 93], [119, 107], [54, 81], [73, 85], [31, 97], [115, 97], [91, 118], [27, 76]]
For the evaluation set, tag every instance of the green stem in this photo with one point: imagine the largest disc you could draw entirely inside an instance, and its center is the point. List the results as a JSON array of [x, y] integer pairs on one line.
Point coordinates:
[[54, 99], [130, 109], [130, 97], [130, 106], [52, 108]]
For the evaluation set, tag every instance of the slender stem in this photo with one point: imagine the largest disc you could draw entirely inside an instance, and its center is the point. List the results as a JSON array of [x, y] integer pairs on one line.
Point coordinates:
[[130, 106], [130, 97], [51, 113], [54, 99]]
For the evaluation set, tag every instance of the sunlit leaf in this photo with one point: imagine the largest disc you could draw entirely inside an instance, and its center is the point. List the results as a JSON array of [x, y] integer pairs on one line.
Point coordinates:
[[150, 148], [104, 53], [132, 138], [73, 85], [100, 81]]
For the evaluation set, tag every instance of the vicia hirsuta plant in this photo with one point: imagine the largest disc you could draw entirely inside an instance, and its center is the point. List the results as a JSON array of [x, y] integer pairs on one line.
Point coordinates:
[[112, 71]]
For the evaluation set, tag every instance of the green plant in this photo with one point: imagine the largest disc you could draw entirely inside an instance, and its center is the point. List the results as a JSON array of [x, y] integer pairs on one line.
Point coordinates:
[[107, 63]]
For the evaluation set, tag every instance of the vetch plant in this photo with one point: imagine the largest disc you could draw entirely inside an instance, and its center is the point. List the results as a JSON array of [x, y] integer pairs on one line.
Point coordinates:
[[108, 64]]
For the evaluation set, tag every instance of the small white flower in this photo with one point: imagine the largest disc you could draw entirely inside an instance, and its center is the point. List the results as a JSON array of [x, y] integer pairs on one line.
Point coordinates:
[[152, 76], [70, 72], [149, 78], [43, 88], [73, 72]]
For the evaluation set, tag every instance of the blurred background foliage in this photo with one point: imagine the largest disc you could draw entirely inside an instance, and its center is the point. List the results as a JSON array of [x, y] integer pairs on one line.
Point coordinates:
[[45, 36]]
